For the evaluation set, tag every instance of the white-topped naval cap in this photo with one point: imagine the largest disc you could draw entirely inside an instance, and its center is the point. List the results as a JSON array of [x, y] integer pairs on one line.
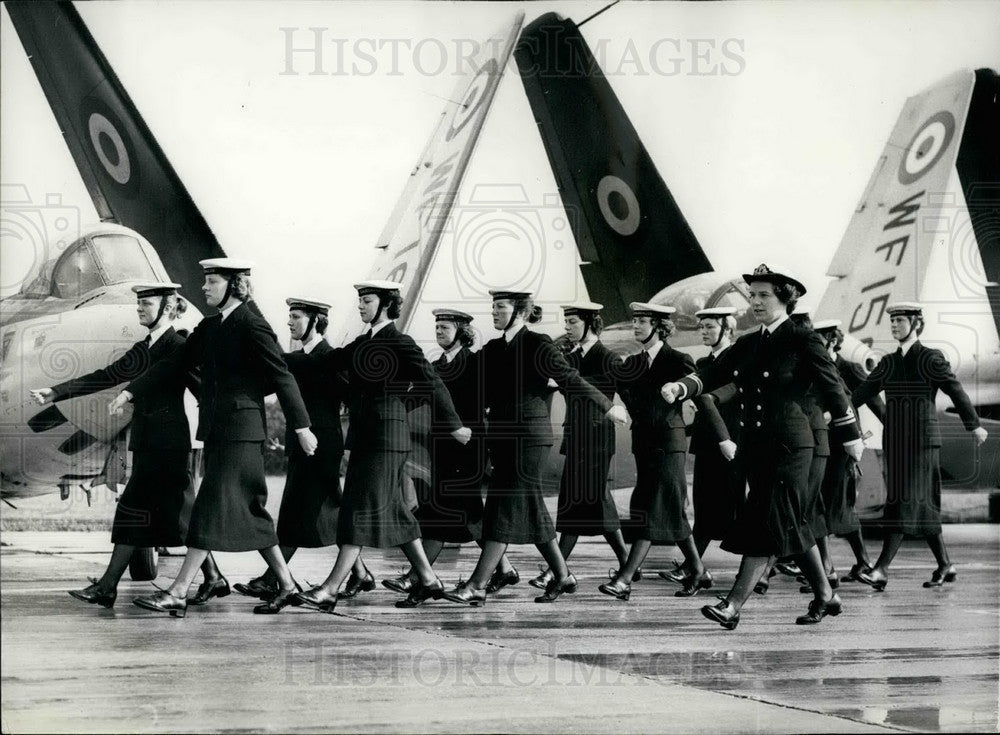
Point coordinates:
[[825, 324], [226, 265], [154, 288], [367, 287], [308, 305], [640, 308]]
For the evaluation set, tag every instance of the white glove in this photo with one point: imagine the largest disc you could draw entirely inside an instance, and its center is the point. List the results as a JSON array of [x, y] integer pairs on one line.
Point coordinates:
[[980, 433], [42, 395], [618, 414], [463, 435], [671, 392], [728, 449], [117, 405]]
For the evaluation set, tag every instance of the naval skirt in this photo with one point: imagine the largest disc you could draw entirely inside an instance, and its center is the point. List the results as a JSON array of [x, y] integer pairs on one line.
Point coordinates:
[[229, 513], [372, 509], [515, 511], [309, 505], [656, 510], [156, 504], [586, 507], [452, 509]]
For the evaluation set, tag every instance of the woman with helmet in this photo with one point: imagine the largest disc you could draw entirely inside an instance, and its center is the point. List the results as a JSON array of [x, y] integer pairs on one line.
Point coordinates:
[[773, 368], [659, 445], [585, 506], [156, 504], [718, 491], [240, 363], [911, 377], [517, 367], [384, 367], [311, 498], [452, 511]]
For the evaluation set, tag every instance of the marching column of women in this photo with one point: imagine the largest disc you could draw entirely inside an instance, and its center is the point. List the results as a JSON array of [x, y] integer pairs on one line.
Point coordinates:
[[773, 474]]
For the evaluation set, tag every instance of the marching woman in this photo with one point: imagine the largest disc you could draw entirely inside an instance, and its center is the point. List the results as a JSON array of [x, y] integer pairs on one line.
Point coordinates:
[[839, 482], [773, 368], [240, 363], [153, 510], [384, 367], [586, 507], [911, 378], [516, 368], [453, 510], [308, 514], [717, 490], [659, 444]]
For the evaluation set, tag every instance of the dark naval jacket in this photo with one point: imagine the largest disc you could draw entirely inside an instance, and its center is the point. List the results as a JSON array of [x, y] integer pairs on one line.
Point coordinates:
[[517, 390], [240, 363], [323, 395], [656, 424], [772, 376], [911, 383], [158, 419]]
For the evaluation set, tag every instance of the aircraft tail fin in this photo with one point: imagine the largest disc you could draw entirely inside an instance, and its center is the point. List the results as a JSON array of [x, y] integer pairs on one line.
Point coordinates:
[[129, 178], [927, 227], [632, 237]]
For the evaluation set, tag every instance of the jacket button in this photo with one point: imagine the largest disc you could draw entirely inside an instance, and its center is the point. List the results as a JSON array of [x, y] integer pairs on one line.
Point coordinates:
[[735, 373], [758, 408], [740, 390], [767, 374], [758, 423], [741, 423]]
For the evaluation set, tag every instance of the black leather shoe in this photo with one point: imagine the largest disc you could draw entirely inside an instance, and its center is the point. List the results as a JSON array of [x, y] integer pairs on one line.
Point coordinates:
[[677, 574], [761, 587], [279, 602], [874, 578], [541, 582], [789, 569], [163, 602], [466, 595], [95, 595], [852, 576], [499, 580], [819, 610], [638, 575], [938, 577], [318, 599], [402, 584], [694, 583], [421, 593], [556, 588], [257, 587], [208, 590], [724, 613], [617, 587], [356, 585]]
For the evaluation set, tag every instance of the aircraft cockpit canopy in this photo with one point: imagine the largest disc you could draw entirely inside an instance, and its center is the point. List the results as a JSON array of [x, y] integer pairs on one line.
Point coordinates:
[[704, 291], [94, 261]]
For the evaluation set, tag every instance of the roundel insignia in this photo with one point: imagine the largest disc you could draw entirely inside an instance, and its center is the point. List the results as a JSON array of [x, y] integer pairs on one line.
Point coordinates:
[[472, 99], [619, 205], [927, 146], [111, 147]]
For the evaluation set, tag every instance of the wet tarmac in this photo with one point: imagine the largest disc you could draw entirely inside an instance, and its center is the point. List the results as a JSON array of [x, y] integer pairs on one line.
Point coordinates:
[[907, 659]]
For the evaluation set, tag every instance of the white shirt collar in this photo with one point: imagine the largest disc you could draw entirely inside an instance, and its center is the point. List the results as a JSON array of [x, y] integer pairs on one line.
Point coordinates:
[[775, 324], [236, 304], [589, 341], [450, 354], [908, 343], [509, 334], [379, 327], [155, 334], [654, 350], [313, 341], [716, 353]]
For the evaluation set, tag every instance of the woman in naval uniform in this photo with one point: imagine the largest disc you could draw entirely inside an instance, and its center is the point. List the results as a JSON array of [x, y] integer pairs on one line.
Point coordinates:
[[517, 367], [839, 482], [585, 506], [773, 368], [240, 363], [308, 514], [452, 512], [659, 444], [155, 506], [911, 378], [718, 492], [384, 368]]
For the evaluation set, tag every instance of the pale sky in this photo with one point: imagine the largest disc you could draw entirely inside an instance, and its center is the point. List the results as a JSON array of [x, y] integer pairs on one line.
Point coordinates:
[[299, 172]]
